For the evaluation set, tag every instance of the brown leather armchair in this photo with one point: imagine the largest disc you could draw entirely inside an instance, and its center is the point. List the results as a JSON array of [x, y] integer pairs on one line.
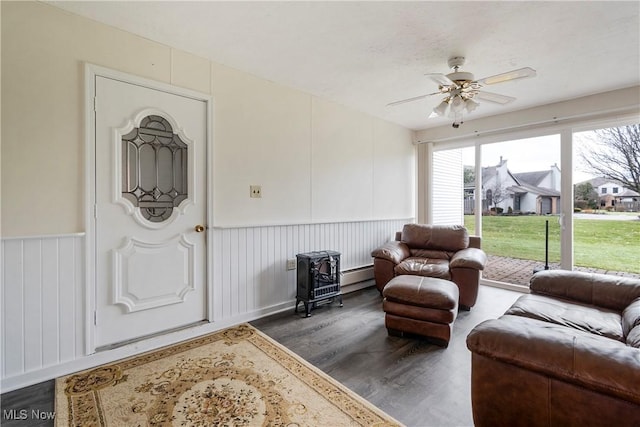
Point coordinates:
[[441, 251], [568, 354]]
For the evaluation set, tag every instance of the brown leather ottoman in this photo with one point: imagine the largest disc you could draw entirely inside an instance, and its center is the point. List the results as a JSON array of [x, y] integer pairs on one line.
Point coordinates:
[[419, 305]]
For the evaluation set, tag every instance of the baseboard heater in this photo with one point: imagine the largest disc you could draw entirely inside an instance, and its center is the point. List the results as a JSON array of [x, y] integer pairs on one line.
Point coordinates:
[[357, 278]]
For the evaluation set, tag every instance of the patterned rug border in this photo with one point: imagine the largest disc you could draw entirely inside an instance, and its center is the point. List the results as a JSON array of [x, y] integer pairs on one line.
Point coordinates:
[[327, 378], [334, 392]]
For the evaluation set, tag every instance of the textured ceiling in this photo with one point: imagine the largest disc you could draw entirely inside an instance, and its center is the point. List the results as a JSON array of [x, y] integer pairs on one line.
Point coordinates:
[[367, 54]]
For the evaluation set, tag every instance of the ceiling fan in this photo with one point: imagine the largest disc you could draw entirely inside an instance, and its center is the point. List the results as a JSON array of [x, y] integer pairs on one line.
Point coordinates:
[[461, 90]]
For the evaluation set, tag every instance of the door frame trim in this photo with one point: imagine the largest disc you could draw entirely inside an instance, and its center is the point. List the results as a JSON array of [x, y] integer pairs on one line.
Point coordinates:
[[91, 72]]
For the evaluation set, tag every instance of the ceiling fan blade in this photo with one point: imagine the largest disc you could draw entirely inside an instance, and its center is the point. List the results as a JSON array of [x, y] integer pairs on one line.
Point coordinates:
[[494, 97], [508, 76], [440, 79], [415, 98]]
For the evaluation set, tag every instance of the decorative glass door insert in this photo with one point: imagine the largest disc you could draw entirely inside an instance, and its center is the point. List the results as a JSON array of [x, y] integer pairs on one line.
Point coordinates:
[[154, 168]]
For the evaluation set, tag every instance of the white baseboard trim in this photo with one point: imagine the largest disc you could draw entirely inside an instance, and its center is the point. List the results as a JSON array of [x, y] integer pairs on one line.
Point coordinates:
[[357, 275], [356, 279], [357, 286]]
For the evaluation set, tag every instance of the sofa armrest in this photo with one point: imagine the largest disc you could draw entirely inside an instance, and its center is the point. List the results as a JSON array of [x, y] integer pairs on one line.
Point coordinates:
[[469, 258], [569, 355], [607, 291], [393, 251]]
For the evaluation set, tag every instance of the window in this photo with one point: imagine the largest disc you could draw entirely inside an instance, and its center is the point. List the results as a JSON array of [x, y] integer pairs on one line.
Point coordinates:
[[511, 212], [612, 245], [520, 189]]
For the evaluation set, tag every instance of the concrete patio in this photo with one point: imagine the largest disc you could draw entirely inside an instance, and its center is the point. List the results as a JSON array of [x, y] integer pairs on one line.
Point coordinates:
[[519, 271]]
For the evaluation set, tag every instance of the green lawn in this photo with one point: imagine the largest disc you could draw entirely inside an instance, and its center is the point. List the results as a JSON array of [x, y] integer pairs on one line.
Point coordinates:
[[609, 245]]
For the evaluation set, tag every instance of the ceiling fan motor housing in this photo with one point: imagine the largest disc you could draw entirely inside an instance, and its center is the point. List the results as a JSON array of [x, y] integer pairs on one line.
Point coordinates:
[[460, 77], [456, 62]]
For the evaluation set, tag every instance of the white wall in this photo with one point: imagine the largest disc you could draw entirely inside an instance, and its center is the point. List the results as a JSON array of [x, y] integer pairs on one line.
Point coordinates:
[[528, 202], [262, 136], [320, 160], [332, 175]]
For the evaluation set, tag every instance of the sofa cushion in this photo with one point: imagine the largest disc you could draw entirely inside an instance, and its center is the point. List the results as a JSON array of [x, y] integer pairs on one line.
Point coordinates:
[[429, 267], [631, 317], [440, 237], [597, 321], [603, 290], [633, 338], [577, 357], [430, 253], [426, 292]]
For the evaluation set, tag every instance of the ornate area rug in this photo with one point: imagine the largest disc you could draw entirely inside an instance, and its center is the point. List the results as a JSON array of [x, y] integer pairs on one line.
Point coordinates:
[[234, 377]]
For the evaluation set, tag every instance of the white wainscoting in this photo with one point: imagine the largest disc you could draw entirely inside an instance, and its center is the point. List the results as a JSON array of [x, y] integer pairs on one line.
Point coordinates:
[[42, 302], [250, 273], [43, 289]]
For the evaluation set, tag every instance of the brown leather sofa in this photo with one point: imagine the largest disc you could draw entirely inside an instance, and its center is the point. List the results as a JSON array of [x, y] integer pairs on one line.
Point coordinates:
[[565, 355], [440, 251]]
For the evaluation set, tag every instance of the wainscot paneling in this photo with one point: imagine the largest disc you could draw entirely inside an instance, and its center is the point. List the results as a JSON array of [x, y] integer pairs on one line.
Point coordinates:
[[43, 290], [42, 302], [250, 273]]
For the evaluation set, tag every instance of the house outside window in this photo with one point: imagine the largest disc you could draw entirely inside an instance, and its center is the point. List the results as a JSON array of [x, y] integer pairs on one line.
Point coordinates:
[[615, 190], [604, 190]]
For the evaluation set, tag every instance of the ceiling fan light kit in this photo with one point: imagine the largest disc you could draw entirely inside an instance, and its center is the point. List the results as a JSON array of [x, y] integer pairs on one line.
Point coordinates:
[[441, 108], [461, 88], [471, 105]]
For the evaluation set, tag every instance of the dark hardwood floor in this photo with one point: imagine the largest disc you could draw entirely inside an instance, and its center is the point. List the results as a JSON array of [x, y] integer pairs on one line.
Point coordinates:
[[413, 380], [22, 407]]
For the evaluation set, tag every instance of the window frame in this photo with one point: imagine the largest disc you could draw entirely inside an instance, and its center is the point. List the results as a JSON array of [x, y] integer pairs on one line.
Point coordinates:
[[566, 131]]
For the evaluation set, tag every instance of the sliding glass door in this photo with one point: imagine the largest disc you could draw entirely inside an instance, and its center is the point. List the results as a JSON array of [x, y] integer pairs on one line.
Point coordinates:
[[564, 200], [521, 188], [606, 180], [510, 192]]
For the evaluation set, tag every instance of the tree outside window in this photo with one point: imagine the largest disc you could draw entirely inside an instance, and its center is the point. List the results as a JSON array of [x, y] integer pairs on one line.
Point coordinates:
[[614, 154]]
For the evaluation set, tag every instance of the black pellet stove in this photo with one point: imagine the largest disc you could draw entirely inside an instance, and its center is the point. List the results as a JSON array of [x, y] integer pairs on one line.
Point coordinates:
[[318, 279]]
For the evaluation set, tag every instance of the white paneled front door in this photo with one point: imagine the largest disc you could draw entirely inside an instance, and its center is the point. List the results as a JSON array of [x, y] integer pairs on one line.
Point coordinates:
[[150, 211]]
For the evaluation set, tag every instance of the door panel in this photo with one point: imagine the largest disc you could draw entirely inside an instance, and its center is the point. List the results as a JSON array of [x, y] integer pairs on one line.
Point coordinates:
[[170, 266], [150, 195]]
